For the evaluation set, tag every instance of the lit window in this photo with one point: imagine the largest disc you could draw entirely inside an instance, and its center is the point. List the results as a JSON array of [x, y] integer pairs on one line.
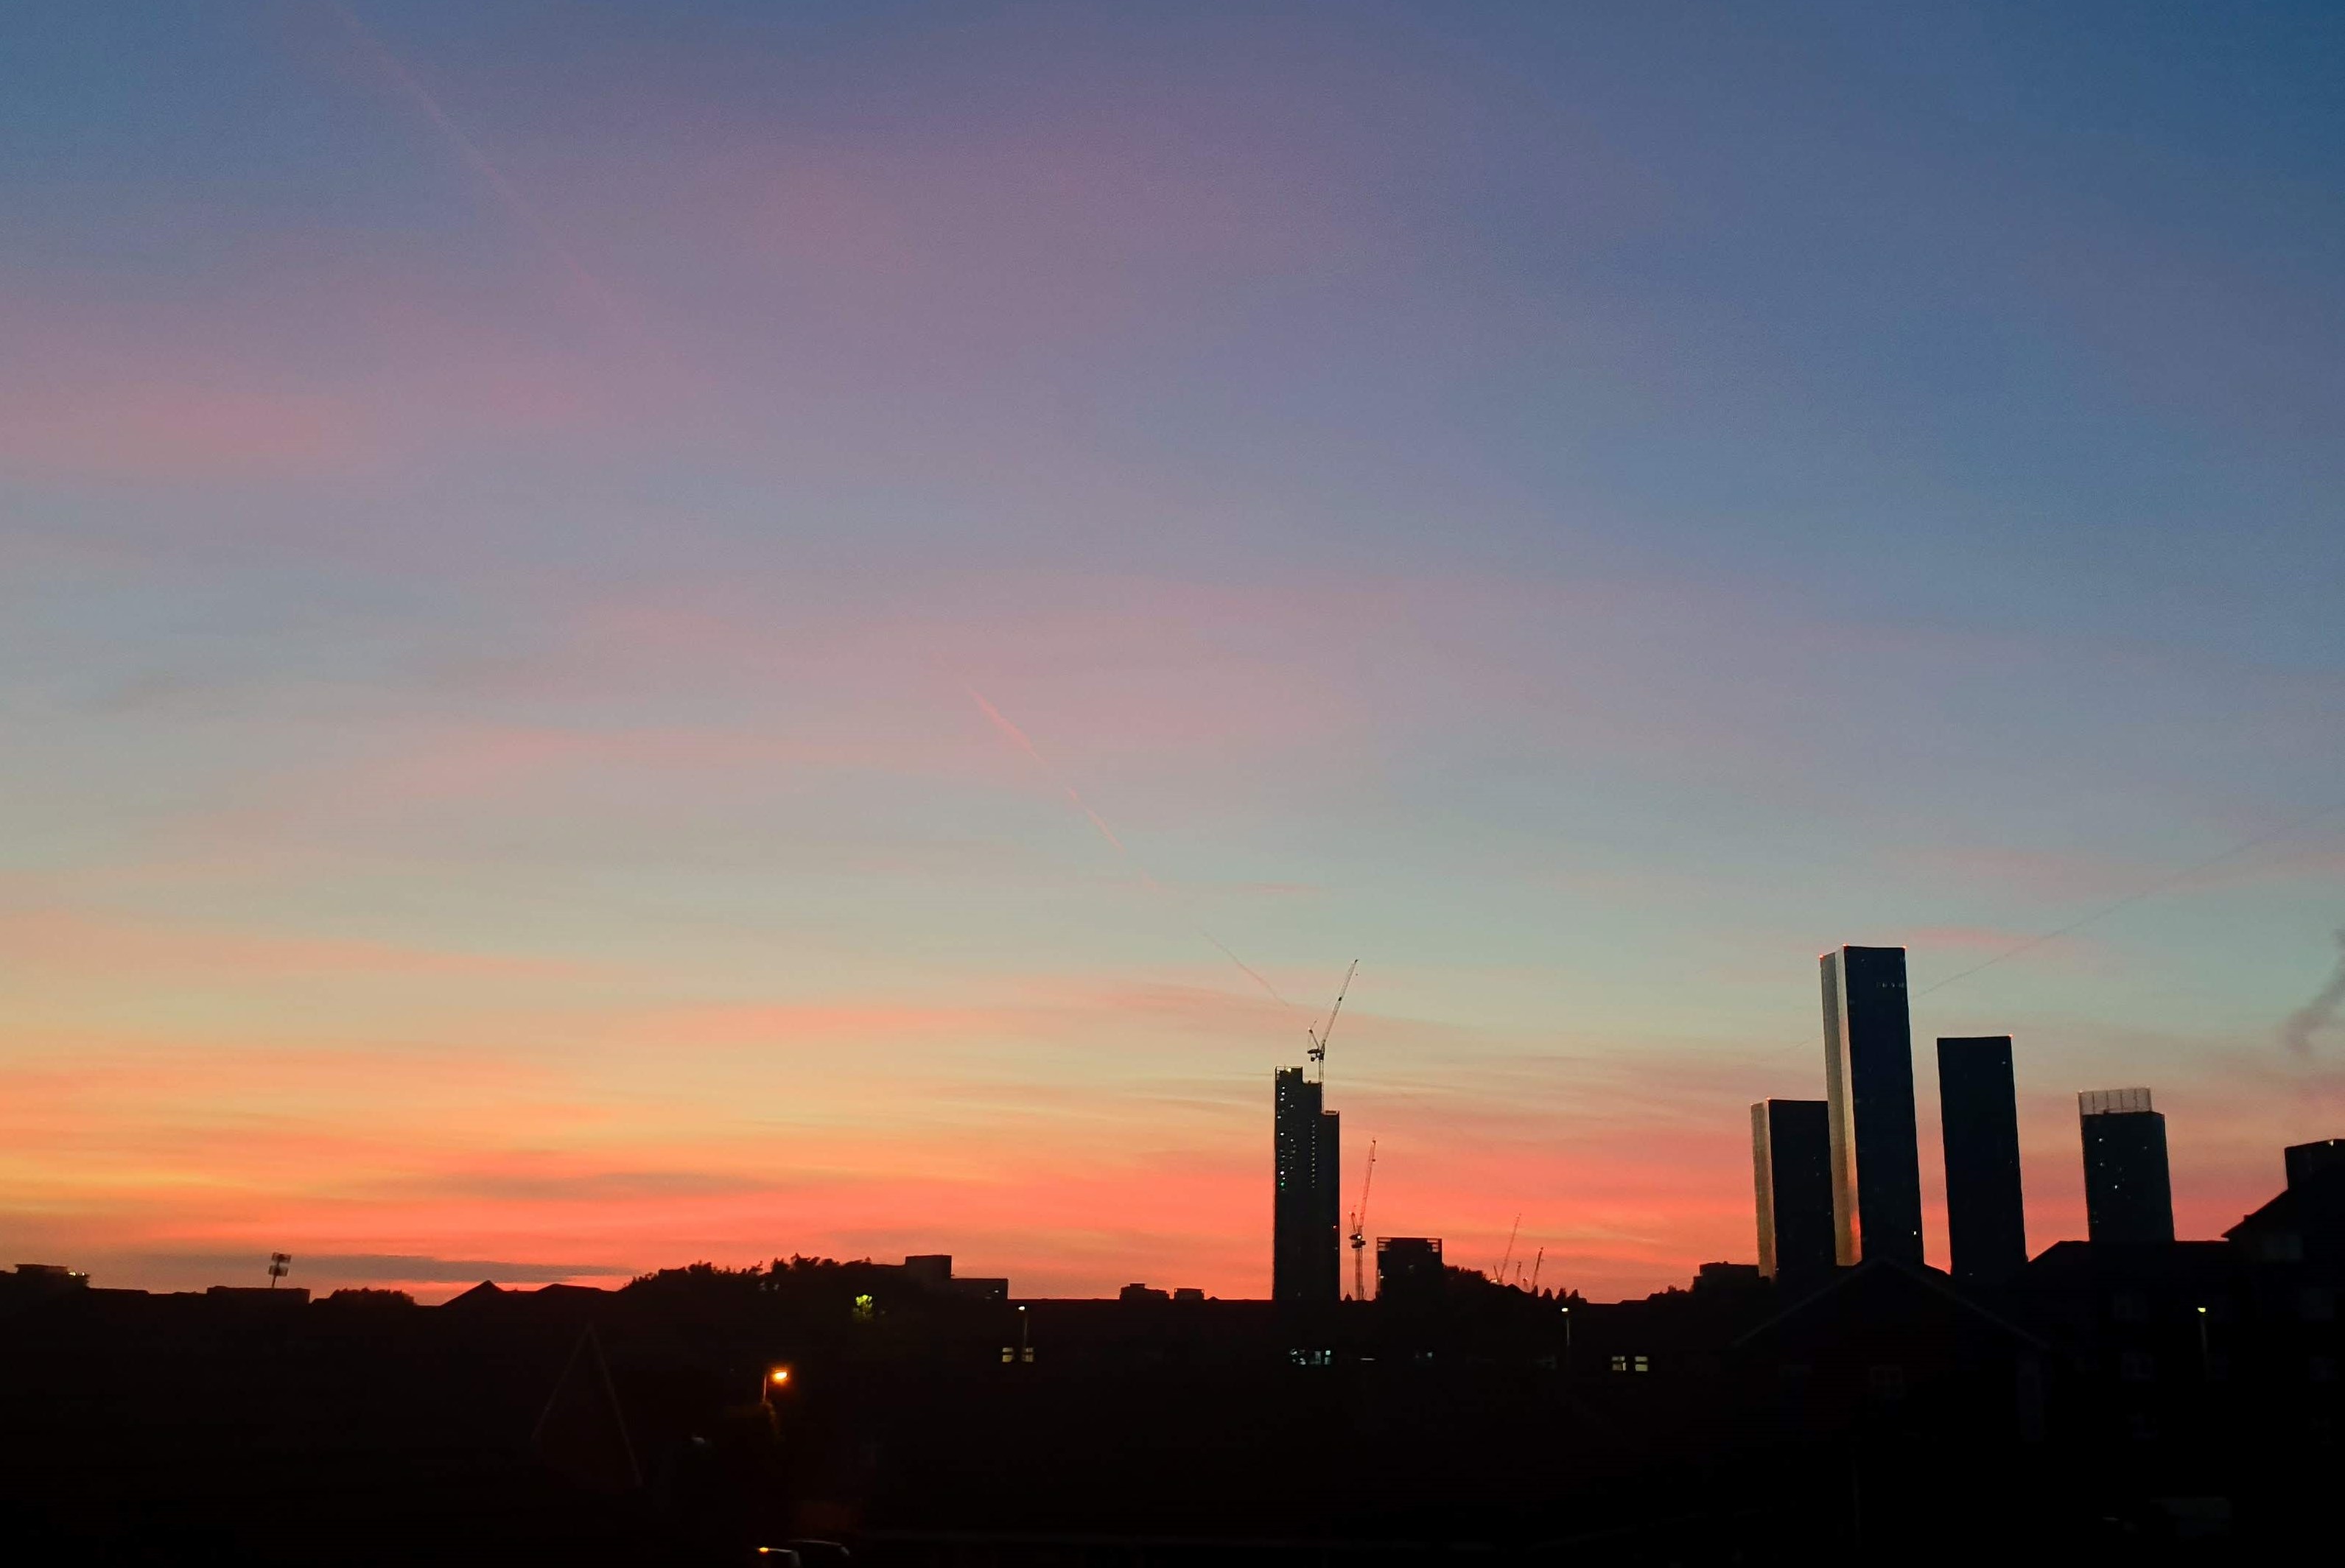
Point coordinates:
[[1619, 1363], [1642, 1364]]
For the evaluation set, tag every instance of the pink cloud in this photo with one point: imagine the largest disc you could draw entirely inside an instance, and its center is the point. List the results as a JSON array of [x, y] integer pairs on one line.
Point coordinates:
[[58, 941], [304, 366]]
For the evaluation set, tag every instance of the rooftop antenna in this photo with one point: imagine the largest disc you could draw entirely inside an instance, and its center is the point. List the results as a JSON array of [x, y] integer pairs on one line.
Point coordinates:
[[1318, 1052], [280, 1265], [1359, 1230]]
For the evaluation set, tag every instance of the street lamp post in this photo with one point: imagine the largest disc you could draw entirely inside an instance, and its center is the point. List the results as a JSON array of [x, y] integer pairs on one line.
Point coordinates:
[[775, 1379]]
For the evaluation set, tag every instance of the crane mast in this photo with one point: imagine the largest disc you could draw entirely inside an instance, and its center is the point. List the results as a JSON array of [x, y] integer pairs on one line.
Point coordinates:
[[1359, 1230]]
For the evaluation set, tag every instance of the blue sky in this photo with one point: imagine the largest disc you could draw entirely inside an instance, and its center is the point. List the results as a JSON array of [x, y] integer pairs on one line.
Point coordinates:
[[507, 513]]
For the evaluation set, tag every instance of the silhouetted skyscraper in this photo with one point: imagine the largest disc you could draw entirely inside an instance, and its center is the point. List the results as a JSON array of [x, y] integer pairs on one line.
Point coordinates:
[[1790, 1157], [1987, 1220], [1869, 1082], [1305, 1264], [2129, 1196]]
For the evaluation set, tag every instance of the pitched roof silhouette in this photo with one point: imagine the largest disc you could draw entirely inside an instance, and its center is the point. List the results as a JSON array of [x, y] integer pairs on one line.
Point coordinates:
[[1865, 1274]]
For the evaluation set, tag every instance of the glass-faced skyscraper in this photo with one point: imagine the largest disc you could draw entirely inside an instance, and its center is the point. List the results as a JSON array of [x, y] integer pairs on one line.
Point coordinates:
[[2129, 1196], [1790, 1158], [1987, 1223], [1306, 1254], [1868, 1085]]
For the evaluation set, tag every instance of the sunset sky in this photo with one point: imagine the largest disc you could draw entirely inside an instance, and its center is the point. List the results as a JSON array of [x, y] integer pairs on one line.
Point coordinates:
[[642, 633]]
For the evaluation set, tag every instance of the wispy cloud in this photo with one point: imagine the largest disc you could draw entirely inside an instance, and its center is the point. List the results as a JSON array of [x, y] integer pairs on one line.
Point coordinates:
[[2319, 1013]]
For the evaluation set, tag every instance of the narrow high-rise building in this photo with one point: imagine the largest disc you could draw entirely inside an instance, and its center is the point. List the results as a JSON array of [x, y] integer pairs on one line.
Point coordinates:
[[1987, 1220], [1790, 1158], [2128, 1195], [1869, 1084], [1306, 1253]]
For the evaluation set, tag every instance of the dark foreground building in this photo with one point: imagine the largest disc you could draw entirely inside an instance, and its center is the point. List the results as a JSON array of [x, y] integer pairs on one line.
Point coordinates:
[[1869, 1082], [2158, 1403], [2128, 1195], [1987, 1222], [1791, 1158], [1305, 1251]]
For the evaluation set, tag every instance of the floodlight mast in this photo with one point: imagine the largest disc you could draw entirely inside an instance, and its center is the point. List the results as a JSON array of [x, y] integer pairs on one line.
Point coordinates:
[[1318, 1052]]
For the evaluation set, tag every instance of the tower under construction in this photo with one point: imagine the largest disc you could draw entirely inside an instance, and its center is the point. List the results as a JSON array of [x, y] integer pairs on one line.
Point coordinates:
[[1305, 1249]]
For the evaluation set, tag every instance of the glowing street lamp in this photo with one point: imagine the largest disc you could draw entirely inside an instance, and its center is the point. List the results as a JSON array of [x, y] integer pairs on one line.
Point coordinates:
[[775, 1379]]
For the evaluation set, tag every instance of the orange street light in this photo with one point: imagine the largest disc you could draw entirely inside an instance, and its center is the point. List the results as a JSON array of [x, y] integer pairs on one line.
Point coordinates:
[[776, 1378]]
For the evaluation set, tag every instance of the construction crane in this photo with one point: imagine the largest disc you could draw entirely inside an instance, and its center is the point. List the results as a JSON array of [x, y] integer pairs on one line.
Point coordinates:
[[1318, 1052], [1509, 1256], [1359, 1230]]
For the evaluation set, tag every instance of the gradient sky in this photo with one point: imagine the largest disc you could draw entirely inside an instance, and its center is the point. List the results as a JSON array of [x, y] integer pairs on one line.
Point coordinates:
[[560, 563]]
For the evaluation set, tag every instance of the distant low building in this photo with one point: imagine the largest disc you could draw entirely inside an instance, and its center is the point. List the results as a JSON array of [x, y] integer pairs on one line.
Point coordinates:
[[30, 1281], [262, 1296], [934, 1272], [1713, 1278], [1409, 1269]]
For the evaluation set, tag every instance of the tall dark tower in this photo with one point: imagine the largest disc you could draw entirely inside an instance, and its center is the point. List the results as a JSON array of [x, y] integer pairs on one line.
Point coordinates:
[[1987, 1220], [1869, 1079], [1791, 1158], [2129, 1196], [1306, 1255]]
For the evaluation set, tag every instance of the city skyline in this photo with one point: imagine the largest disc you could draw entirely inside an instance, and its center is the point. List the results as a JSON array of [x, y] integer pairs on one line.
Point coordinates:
[[820, 630]]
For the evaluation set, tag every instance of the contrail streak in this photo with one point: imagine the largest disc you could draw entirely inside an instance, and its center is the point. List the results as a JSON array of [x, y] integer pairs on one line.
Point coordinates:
[[1017, 737], [2298, 1029], [2160, 886], [479, 164], [2319, 1013], [1246, 966]]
